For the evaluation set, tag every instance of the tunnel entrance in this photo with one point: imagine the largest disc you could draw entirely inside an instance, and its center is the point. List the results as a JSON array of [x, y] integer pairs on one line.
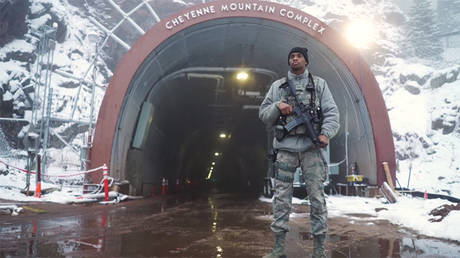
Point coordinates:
[[178, 97], [205, 125]]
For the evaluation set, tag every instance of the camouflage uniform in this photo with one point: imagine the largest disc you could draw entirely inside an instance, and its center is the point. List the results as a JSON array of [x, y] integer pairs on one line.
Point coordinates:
[[297, 150], [314, 174]]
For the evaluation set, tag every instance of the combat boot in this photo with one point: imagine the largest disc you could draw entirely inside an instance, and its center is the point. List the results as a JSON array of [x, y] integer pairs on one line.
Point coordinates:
[[318, 246], [278, 249]]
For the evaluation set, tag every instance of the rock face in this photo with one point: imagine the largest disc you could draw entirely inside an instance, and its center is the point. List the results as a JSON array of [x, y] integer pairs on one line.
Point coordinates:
[[12, 19], [19, 22], [413, 89], [443, 77]]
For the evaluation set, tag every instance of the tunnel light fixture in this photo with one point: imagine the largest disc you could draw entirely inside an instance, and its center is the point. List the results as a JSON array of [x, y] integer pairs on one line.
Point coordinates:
[[209, 175], [361, 33], [242, 76], [223, 135]]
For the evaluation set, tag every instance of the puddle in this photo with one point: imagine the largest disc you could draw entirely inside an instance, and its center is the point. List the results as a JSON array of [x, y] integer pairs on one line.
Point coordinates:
[[359, 215], [214, 226], [405, 247]]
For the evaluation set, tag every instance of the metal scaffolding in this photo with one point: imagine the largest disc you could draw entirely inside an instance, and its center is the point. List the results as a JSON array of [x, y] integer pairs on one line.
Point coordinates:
[[37, 138]]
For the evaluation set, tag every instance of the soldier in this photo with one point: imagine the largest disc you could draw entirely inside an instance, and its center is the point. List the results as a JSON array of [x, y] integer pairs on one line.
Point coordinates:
[[295, 149]]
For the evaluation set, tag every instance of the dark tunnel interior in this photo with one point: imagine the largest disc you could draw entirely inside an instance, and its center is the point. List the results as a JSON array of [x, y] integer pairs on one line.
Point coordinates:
[[186, 94], [203, 114]]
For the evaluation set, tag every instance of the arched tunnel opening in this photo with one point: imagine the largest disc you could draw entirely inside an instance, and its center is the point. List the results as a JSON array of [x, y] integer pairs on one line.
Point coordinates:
[[205, 125], [185, 94]]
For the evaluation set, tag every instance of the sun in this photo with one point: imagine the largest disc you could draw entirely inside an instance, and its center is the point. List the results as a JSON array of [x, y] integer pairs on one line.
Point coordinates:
[[361, 33]]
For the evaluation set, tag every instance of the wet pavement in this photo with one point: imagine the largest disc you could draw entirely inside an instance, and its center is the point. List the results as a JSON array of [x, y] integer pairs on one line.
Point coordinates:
[[214, 225]]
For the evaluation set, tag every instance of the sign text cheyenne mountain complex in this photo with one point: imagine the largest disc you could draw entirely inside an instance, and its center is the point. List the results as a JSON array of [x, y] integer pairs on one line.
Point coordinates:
[[225, 7]]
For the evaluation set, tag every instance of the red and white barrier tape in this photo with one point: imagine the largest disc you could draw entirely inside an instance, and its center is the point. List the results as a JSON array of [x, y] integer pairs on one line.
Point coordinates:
[[20, 169], [70, 175], [77, 174]]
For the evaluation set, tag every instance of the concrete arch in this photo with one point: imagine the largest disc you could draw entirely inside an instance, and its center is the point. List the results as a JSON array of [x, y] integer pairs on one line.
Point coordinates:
[[122, 90]]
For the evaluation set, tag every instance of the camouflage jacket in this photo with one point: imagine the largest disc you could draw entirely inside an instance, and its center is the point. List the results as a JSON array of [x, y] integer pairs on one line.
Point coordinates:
[[269, 110]]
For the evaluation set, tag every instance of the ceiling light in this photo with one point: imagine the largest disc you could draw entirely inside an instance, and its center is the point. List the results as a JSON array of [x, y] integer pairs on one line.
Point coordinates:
[[242, 76]]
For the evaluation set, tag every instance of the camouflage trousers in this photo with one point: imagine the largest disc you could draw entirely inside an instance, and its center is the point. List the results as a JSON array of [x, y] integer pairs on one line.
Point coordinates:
[[314, 174]]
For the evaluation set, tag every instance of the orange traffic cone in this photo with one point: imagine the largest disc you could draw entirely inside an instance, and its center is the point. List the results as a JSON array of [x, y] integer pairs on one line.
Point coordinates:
[[38, 187], [164, 186], [38, 190]]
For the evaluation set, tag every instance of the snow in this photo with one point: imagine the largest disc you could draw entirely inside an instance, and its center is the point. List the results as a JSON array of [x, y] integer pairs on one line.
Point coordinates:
[[407, 212], [17, 45], [427, 158], [436, 167], [402, 105], [35, 24], [61, 191], [36, 7], [413, 68], [7, 96], [14, 210], [11, 68]]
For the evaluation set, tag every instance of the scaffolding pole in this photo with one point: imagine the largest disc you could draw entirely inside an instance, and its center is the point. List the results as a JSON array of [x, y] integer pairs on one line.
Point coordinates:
[[39, 133]]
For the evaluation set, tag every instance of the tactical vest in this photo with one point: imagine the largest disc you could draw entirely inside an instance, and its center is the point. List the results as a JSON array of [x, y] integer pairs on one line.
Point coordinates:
[[304, 94]]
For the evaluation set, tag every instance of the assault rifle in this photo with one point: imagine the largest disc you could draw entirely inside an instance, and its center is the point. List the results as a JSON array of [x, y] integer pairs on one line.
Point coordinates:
[[303, 115]]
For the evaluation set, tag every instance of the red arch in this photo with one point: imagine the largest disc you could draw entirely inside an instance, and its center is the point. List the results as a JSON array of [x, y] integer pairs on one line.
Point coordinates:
[[131, 62]]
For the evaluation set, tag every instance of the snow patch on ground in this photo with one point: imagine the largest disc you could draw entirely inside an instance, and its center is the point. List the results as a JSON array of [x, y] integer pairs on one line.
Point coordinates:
[[407, 212], [16, 45]]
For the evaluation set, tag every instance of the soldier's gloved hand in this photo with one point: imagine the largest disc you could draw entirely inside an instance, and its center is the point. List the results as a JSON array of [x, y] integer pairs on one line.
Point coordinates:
[[323, 140], [285, 109]]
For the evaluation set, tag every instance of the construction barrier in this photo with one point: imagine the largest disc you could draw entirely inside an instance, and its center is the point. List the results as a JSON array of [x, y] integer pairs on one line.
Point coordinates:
[[20, 169], [106, 182], [164, 186], [38, 189], [78, 173]]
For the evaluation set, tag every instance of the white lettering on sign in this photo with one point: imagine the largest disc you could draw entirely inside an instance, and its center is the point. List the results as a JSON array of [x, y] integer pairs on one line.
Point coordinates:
[[181, 19], [247, 7], [226, 7], [307, 21]]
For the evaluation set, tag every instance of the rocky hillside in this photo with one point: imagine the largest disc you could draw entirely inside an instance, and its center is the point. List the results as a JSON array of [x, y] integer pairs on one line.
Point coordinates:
[[75, 40]]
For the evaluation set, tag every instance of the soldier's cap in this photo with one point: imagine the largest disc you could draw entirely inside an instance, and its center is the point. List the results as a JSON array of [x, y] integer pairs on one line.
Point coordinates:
[[302, 50]]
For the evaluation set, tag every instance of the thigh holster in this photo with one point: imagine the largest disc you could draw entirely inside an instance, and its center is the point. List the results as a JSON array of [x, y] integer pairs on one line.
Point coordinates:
[[284, 172]]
